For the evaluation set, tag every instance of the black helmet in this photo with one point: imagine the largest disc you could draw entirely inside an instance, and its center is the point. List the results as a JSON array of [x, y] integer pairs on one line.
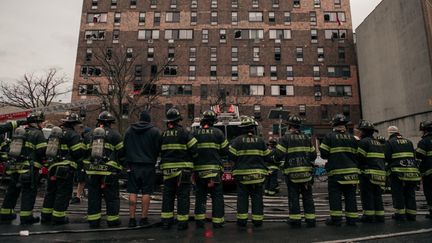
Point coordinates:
[[425, 125], [366, 125], [36, 117], [247, 122], [294, 121], [209, 116], [71, 118], [106, 117], [339, 119], [173, 115]]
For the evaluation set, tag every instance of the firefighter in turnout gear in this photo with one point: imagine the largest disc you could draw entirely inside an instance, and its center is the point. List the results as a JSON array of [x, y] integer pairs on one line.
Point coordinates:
[[251, 157], [370, 155], [208, 170], [271, 187], [404, 174], [105, 154], [179, 149], [24, 161], [4, 128], [424, 154], [340, 148], [63, 151], [298, 154]]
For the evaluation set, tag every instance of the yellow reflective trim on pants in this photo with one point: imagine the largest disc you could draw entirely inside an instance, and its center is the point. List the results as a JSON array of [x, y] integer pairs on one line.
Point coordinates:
[[64, 163], [114, 165], [199, 216], [104, 173], [167, 215], [172, 175], [25, 213], [310, 216], [405, 170], [183, 218], [399, 211], [336, 213], [369, 212], [410, 211], [252, 181], [379, 213], [93, 217], [257, 217], [374, 172], [207, 167], [59, 214], [343, 171], [175, 165], [218, 220], [64, 147], [295, 216], [6, 211], [249, 171], [297, 169], [351, 215], [402, 155], [47, 210], [76, 146], [242, 216], [113, 217]]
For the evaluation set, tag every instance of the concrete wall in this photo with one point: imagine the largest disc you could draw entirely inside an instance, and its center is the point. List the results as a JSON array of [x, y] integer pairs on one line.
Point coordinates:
[[394, 64]]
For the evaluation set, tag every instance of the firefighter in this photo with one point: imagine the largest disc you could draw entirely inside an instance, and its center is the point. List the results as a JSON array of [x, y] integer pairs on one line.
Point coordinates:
[[424, 154], [208, 168], [177, 155], [63, 151], [105, 154], [404, 174], [298, 153], [370, 155], [24, 161], [271, 187], [5, 128], [251, 157], [339, 148]]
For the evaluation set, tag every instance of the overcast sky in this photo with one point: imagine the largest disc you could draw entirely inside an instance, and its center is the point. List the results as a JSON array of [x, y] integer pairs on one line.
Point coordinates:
[[39, 34]]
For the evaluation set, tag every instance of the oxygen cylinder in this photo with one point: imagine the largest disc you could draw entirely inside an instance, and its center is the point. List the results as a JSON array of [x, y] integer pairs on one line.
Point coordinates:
[[54, 142], [18, 140], [98, 143]]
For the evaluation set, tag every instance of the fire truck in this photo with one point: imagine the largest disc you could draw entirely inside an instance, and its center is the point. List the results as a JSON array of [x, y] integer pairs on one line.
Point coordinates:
[[228, 122]]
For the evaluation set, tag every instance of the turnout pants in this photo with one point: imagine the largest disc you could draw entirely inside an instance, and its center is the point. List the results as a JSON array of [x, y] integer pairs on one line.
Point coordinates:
[[216, 193], [403, 195], [272, 184], [371, 197], [57, 197], [172, 189], [107, 187], [336, 190], [294, 192], [255, 192], [427, 189]]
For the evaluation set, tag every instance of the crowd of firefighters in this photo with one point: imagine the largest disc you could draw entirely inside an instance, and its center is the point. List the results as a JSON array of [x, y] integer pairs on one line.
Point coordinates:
[[188, 157]]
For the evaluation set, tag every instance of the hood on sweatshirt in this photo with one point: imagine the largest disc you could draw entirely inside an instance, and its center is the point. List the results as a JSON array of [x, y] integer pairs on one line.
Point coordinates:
[[141, 126]]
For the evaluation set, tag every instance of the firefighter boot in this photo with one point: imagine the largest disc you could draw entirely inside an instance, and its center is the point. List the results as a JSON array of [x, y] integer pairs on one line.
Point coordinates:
[[7, 218], [379, 218], [242, 222], [257, 223], [310, 223], [351, 222], [367, 219], [199, 224], [333, 222], [182, 226], [295, 223], [30, 220], [94, 224], [114, 223]]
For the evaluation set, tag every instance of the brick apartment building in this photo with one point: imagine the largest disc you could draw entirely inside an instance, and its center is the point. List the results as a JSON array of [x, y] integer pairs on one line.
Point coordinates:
[[261, 54]]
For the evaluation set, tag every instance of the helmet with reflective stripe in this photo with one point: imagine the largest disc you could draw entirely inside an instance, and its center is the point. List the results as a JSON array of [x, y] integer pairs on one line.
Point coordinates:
[[294, 121], [366, 125], [210, 116], [339, 119], [247, 122], [36, 117], [72, 118], [173, 115], [106, 117]]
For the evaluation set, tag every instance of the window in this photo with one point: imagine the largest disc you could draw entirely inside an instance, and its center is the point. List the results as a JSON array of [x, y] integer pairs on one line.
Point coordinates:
[[89, 55], [192, 54], [117, 18], [234, 54], [154, 71], [313, 18], [273, 73], [150, 54], [302, 109], [255, 3], [116, 36], [234, 3], [145, 89], [341, 52], [334, 17], [277, 53], [256, 34], [129, 54], [346, 111], [340, 90], [252, 90], [170, 70], [203, 91], [256, 71], [234, 18], [133, 3], [255, 16], [317, 3], [113, 3], [138, 70], [177, 89], [257, 111], [296, 3], [249, 34], [234, 72], [97, 18], [256, 54], [282, 90], [335, 34], [192, 72], [279, 34], [222, 36], [90, 71], [316, 72], [171, 53], [172, 17], [214, 18], [88, 89], [314, 36], [287, 18], [194, 3], [299, 54], [156, 18], [94, 4], [194, 18], [289, 72], [320, 52], [148, 34], [275, 3], [141, 18], [213, 72], [205, 36], [178, 34], [271, 16], [214, 4], [324, 112], [337, 3], [173, 4], [213, 54], [94, 35], [153, 3], [317, 92], [339, 71], [191, 111]]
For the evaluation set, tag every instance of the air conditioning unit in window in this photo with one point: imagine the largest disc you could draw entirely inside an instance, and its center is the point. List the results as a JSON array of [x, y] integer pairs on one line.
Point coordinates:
[[277, 41], [170, 41], [150, 41]]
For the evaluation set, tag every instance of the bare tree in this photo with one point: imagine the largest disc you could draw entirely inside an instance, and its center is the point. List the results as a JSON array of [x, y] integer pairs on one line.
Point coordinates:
[[221, 96], [33, 91]]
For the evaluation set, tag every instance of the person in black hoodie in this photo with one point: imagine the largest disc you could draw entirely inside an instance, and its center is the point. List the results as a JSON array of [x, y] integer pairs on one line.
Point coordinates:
[[142, 146]]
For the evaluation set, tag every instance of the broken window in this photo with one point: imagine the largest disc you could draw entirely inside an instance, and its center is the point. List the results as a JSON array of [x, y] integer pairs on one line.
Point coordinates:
[[95, 35], [88, 89], [91, 71], [97, 18], [170, 71]]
